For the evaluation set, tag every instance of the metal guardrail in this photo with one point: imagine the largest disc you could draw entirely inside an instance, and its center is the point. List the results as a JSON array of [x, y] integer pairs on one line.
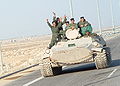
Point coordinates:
[[1, 77], [110, 32]]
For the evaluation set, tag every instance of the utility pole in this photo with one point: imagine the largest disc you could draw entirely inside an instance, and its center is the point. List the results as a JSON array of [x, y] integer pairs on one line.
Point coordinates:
[[71, 8], [1, 60], [112, 16], [98, 13]]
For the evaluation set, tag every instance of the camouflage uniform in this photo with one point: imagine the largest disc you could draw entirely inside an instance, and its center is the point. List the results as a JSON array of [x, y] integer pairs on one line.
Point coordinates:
[[84, 29], [72, 25], [61, 31], [55, 34]]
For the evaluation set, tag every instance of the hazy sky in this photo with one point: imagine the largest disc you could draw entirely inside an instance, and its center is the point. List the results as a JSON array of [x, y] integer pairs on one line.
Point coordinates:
[[20, 18]]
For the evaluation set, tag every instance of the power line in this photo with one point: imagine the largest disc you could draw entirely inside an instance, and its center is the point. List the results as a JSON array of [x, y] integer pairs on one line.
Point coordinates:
[[99, 19], [71, 8], [112, 16]]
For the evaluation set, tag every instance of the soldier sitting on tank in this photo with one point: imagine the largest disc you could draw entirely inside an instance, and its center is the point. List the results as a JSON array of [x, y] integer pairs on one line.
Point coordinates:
[[67, 24], [72, 25], [64, 31], [55, 32], [85, 27], [57, 19]]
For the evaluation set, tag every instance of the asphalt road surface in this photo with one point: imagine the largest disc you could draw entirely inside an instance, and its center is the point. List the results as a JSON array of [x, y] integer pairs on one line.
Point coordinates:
[[79, 75]]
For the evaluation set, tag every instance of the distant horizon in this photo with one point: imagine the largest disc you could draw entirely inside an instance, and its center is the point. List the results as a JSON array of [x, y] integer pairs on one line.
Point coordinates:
[[42, 35]]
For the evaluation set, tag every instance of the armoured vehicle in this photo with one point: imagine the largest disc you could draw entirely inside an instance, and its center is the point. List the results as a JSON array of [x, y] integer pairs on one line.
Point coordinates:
[[76, 50]]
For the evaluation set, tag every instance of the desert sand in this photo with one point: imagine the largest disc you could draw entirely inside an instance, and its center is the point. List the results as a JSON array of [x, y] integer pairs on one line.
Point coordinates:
[[21, 53]]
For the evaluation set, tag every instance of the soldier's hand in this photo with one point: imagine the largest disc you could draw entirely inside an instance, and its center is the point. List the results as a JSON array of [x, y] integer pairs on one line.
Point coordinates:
[[72, 27], [65, 16], [86, 24], [87, 33], [60, 19], [47, 20], [54, 14], [81, 25]]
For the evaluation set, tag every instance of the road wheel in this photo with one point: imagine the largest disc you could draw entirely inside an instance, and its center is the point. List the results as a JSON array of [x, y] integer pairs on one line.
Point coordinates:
[[57, 70], [46, 69], [102, 59], [108, 54]]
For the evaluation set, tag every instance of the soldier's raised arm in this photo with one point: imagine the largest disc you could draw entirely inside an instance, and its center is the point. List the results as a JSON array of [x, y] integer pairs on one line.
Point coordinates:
[[65, 19], [49, 23], [54, 16], [60, 24]]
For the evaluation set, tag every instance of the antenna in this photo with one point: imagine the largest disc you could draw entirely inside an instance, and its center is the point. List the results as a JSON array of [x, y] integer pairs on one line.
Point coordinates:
[[112, 16], [98, 13], [71, 8]]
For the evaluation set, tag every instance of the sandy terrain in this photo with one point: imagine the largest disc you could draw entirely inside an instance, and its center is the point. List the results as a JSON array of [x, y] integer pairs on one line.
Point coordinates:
[[22, 53]]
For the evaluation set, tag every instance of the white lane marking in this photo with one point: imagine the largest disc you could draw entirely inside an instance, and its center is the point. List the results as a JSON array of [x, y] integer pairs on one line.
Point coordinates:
[[29, 83], [112, 73]]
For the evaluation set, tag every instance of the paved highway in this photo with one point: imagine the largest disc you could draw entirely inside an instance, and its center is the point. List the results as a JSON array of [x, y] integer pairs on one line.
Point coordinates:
[[79, 75]]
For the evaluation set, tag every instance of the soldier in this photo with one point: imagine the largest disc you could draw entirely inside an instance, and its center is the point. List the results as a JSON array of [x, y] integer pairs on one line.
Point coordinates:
[[60, 28], [72, 25], [64, 31], [67, 24], [55, 32], [56, 18], [85, 27]]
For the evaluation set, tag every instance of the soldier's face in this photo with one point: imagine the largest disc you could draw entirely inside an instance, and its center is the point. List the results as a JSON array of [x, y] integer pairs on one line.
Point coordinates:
[[67, 24], [54, 24], [58, 20], [72, 21], [82, 19]]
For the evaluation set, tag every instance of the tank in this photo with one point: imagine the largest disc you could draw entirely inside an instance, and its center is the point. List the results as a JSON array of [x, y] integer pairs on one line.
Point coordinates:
[[76, 50]]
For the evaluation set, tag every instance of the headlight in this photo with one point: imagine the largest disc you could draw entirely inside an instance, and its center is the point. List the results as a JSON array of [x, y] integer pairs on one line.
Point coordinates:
[[46, 54], [47, 51], [95, 44]]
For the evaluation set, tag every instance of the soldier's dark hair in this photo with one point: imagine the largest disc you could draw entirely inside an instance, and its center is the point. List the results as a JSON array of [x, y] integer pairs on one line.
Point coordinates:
[[72, 19], [82, 17], [67, 22], [57, 18], [54, 22]]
